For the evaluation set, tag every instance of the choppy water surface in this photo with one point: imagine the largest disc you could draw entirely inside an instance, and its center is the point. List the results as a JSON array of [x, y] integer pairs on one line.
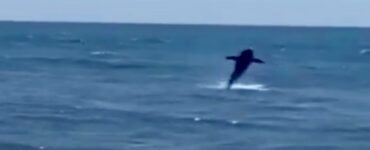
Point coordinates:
[[141, 87]]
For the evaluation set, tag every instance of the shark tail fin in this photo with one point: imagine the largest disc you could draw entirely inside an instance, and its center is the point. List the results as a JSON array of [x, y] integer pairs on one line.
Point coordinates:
[[231, 58], [256, 60]]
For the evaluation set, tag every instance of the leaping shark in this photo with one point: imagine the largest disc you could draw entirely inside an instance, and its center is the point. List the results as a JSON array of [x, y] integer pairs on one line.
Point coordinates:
[[242, 63]]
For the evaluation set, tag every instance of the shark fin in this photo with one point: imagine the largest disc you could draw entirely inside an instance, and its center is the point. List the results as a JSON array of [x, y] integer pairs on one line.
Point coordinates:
[[256, 60], [231, 58]]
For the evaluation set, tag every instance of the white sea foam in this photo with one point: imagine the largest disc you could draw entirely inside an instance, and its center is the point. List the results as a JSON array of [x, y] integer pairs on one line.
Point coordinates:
[[234, 122], [102, 53], [365, 51], [237, 86], [196, 119]]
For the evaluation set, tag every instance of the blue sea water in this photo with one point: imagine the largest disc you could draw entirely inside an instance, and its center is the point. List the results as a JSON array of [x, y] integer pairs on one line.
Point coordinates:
[[161, 87]]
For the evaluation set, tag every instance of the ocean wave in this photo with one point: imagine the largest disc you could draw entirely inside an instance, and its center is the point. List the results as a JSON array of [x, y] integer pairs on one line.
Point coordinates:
[[84, 62], [346, 129], [235, 123], [276, 118], [302, 146], [106, 54], [212, 97], [61, 118], [292, 108], [72, 40], [175, 121], [100, 53], [150, 40], [24, 38], [315, 100], [162, 76], [365, 52], [66, 37], [94, 63], [18, 146]]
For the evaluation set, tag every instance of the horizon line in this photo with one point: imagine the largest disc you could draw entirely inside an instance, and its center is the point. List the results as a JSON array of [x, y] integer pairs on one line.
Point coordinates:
[[185, 24]]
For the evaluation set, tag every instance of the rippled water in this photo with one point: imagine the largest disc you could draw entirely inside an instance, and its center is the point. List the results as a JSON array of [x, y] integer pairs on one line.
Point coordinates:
[[120, 86]]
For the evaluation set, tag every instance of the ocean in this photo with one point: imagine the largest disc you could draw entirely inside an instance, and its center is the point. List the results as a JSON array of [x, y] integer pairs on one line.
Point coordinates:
[[86, 86]]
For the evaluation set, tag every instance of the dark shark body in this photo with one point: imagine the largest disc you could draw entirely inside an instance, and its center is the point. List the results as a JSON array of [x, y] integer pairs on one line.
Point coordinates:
[[242, 63]]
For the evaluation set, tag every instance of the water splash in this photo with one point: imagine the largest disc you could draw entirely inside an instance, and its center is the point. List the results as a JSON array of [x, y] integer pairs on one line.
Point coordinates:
[[237, 86]]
